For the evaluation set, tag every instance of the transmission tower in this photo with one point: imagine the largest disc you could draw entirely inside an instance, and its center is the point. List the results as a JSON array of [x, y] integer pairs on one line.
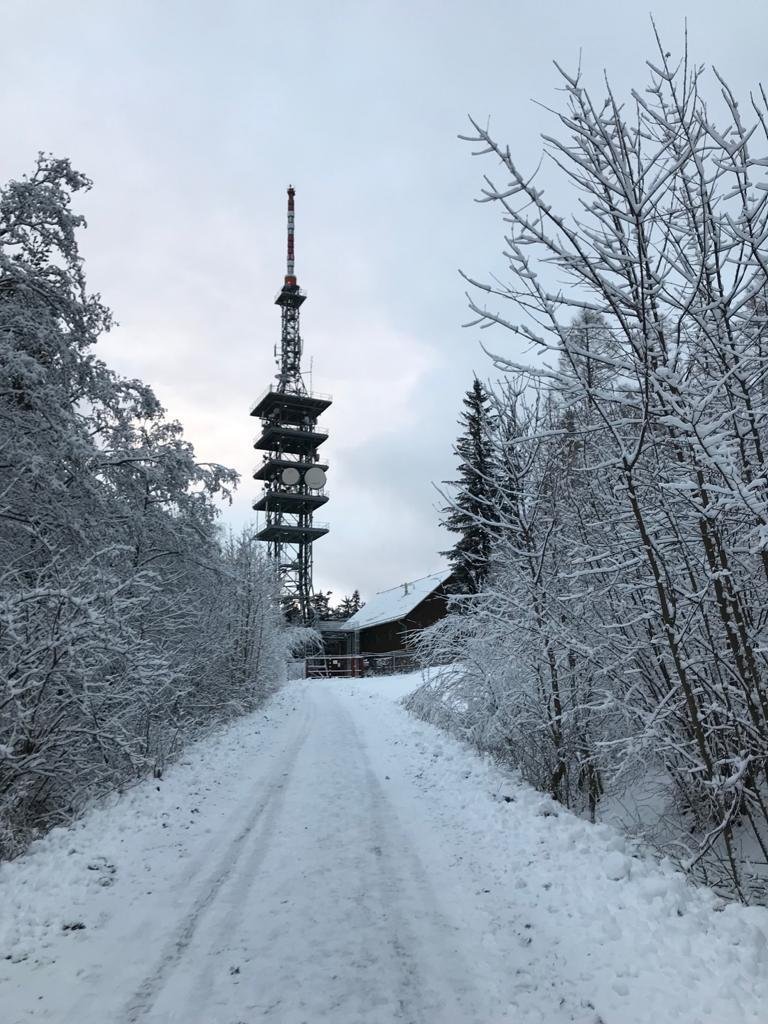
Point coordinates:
[[294, 479]]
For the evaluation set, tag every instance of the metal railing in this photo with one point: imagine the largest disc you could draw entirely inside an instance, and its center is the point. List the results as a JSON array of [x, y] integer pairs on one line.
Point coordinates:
[[345, 666], [273, 390], [289, 431], [288, 491], [295, 526], [287, 462]]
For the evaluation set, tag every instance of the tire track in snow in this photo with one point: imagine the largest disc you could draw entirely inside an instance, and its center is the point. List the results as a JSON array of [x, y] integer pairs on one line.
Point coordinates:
[[233, 905], [264, 813], [402, 879]]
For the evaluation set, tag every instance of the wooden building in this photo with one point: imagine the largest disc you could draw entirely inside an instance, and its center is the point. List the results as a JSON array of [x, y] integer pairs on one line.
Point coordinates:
[[377, 636], [383, 625]]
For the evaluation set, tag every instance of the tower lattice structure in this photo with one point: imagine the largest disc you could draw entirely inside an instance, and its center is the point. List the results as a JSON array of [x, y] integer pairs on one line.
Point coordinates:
[[293, 476]]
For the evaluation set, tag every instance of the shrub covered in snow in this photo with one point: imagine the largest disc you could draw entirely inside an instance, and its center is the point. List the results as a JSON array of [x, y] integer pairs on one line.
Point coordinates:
[[125, 623], [622, 629]]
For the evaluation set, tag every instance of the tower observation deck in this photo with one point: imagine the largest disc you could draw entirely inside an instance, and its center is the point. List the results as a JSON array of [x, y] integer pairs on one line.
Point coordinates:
[[293, 476]]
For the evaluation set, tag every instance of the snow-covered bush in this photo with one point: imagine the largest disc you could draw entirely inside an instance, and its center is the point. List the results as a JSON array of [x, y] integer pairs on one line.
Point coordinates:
[[623, 627], [126, 623]]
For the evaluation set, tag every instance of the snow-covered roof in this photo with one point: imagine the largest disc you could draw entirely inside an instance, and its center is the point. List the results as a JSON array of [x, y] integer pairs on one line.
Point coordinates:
[[394, 604]]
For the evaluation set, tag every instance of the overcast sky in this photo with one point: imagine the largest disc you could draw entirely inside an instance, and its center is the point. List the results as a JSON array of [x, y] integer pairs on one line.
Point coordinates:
[[192, 118]]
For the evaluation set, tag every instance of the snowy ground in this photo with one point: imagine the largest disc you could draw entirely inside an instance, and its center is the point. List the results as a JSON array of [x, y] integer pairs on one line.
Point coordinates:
[[331, 859]]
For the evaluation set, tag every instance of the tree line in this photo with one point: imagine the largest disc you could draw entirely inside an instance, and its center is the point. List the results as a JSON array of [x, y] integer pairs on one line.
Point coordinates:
[[610, 636], [325, 611], [128, 622]]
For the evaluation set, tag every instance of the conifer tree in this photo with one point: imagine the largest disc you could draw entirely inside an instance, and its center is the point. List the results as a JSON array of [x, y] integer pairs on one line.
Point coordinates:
[[349, 606], [471, 513], [321, 605]]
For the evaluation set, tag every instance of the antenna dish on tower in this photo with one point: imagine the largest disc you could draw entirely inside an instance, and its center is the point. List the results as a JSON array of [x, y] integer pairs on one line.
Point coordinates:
[[290, 476], [314, 478]]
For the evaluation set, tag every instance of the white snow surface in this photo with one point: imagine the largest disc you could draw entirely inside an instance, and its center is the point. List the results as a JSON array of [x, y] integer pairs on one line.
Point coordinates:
[[395, 603], [329, 858]]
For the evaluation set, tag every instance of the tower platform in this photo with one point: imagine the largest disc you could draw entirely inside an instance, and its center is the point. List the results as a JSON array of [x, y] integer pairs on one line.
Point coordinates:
[[286, 533], [290, 408], [276, 438], [289, 502], [290, 295], [271, 468]]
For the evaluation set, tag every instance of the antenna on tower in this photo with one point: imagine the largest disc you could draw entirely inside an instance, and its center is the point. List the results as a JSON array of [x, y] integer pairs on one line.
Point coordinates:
[[290, 273], [290, 298]]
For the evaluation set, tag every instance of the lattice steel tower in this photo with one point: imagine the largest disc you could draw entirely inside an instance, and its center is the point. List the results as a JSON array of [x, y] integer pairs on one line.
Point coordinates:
[[294, 479]]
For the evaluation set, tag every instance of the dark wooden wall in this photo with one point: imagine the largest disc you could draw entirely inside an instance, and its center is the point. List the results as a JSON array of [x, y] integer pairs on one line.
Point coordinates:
[[391, 636]]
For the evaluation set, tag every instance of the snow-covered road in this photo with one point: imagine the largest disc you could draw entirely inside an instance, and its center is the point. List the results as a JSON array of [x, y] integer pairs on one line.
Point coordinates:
[[330, 859]]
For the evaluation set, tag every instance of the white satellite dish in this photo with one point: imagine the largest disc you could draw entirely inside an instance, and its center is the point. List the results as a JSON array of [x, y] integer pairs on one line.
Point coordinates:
[[290, 476], [314, 478]]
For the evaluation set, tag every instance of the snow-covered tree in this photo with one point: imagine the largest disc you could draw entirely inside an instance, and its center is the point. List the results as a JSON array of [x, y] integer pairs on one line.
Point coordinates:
[[471, 510], [622, 632], [125, 625]]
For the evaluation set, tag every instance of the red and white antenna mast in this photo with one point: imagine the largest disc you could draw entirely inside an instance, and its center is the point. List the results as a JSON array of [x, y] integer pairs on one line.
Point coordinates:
[[290, 298], [290, 276]]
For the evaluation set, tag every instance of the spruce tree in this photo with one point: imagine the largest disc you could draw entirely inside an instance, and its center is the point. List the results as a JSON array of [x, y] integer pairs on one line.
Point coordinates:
[[321, 605], [349, 606], [471, 514]]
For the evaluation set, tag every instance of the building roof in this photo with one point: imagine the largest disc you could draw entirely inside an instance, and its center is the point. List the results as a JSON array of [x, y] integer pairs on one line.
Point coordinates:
[[332, 625], [394, 604]]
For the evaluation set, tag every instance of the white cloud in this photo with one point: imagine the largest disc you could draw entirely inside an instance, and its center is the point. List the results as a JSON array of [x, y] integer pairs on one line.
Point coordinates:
[[193, 125]]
